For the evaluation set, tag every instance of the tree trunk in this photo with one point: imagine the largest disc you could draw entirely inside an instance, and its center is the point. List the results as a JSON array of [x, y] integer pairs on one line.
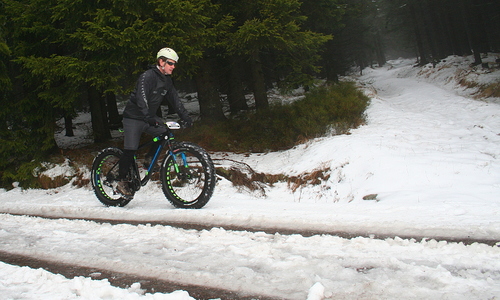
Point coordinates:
[[443, 43], [99, 116], [471, 27], [236, 93], [208, 95], [480, 37], [452, 29], [428, 26], [114, 117], [492, 24], [332, 66], [379, 50], [68, 125], [418, 37], [258, 82]]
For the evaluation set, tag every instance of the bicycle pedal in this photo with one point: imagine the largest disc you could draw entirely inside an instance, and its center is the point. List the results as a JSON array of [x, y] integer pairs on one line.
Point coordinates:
[[128, 197]]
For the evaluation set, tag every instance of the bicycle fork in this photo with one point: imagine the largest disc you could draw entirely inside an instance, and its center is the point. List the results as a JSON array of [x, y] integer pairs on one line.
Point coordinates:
[[184, 161]]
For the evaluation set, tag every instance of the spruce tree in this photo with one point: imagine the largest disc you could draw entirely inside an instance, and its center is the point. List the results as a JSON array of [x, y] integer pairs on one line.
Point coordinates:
[[273, 29]]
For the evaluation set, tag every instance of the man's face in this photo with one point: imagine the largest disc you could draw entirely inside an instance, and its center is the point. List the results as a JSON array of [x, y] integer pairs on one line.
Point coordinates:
[[168, 66]]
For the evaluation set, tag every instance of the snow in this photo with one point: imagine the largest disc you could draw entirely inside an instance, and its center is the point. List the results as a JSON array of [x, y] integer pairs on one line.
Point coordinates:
[[428, 155]]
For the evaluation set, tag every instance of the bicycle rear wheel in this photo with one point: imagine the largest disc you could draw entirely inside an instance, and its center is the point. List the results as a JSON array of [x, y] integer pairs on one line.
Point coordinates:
[[104, 177], [188, 176]]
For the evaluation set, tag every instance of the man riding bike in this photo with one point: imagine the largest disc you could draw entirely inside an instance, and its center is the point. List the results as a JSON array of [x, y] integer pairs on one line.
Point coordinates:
[[152, 88]]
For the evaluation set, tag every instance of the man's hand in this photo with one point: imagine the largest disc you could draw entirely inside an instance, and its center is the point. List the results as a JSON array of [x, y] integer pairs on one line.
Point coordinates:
[[185, 124], [152, 122]]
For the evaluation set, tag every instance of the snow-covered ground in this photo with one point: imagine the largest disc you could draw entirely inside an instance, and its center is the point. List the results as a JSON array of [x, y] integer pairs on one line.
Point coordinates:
[[429, 155]]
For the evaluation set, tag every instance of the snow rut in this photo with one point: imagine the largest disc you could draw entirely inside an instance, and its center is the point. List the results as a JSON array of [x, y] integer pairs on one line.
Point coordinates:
[[240, 264]]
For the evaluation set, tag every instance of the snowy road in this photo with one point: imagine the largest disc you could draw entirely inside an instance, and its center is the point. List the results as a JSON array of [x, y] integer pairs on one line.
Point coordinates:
[[280, 266], [430, 156]]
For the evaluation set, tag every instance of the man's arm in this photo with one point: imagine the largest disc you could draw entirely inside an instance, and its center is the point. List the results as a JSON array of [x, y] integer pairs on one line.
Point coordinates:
[[175, 102]]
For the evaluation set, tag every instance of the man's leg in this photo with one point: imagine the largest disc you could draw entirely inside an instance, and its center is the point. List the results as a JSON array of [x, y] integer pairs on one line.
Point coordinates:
[[132, 134]]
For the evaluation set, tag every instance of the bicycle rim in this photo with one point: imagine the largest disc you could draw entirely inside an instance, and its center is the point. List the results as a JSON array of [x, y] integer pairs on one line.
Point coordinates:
[[188, 177], [104, 178]]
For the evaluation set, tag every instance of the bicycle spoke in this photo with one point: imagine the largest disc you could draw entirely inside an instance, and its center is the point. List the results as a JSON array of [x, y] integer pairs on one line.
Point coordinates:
[[188, 177]]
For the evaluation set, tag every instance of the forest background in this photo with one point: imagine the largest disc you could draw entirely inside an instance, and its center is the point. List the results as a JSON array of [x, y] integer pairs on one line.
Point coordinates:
[[60, 57]]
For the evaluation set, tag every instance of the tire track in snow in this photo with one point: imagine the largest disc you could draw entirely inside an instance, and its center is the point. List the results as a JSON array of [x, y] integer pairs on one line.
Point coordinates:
[[274, 230]]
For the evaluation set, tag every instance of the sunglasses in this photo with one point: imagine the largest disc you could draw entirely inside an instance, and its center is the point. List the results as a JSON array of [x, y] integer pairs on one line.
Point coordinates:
[[170, 63]]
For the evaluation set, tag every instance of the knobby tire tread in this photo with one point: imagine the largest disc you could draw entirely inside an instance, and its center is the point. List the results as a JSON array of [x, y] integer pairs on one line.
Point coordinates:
[[208, 172], [96, 178]]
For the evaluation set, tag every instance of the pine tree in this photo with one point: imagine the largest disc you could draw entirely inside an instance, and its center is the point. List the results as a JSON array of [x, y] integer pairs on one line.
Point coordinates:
[[27, 117], [272, 29]]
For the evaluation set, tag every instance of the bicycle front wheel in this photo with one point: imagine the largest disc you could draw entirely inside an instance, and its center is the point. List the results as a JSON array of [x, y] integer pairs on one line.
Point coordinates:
[[188, 176], [104, 176]]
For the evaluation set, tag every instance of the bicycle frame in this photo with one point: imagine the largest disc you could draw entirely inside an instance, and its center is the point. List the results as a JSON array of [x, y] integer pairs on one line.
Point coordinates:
[[166, 142]]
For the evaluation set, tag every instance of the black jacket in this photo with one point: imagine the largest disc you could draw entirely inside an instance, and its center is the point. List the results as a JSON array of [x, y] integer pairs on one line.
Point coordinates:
[[151, 89]]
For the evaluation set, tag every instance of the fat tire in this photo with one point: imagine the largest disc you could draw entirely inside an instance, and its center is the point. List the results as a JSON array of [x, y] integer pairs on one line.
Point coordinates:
[[104, 172], [199, 176]]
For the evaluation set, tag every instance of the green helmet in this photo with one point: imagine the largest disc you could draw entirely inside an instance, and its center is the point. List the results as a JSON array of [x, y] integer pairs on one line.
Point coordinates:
[[167, 53]]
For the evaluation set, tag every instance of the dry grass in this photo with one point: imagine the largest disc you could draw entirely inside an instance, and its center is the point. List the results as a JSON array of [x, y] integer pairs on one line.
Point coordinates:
[[81, 179], [316, 177], [490, 90], [47, 182], [243, 176]]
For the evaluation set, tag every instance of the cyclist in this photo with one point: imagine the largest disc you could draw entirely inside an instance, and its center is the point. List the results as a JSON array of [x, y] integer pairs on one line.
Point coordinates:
[[152, 88]]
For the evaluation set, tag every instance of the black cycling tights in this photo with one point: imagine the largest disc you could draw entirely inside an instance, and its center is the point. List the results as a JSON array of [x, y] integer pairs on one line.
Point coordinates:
[[125, 162]]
